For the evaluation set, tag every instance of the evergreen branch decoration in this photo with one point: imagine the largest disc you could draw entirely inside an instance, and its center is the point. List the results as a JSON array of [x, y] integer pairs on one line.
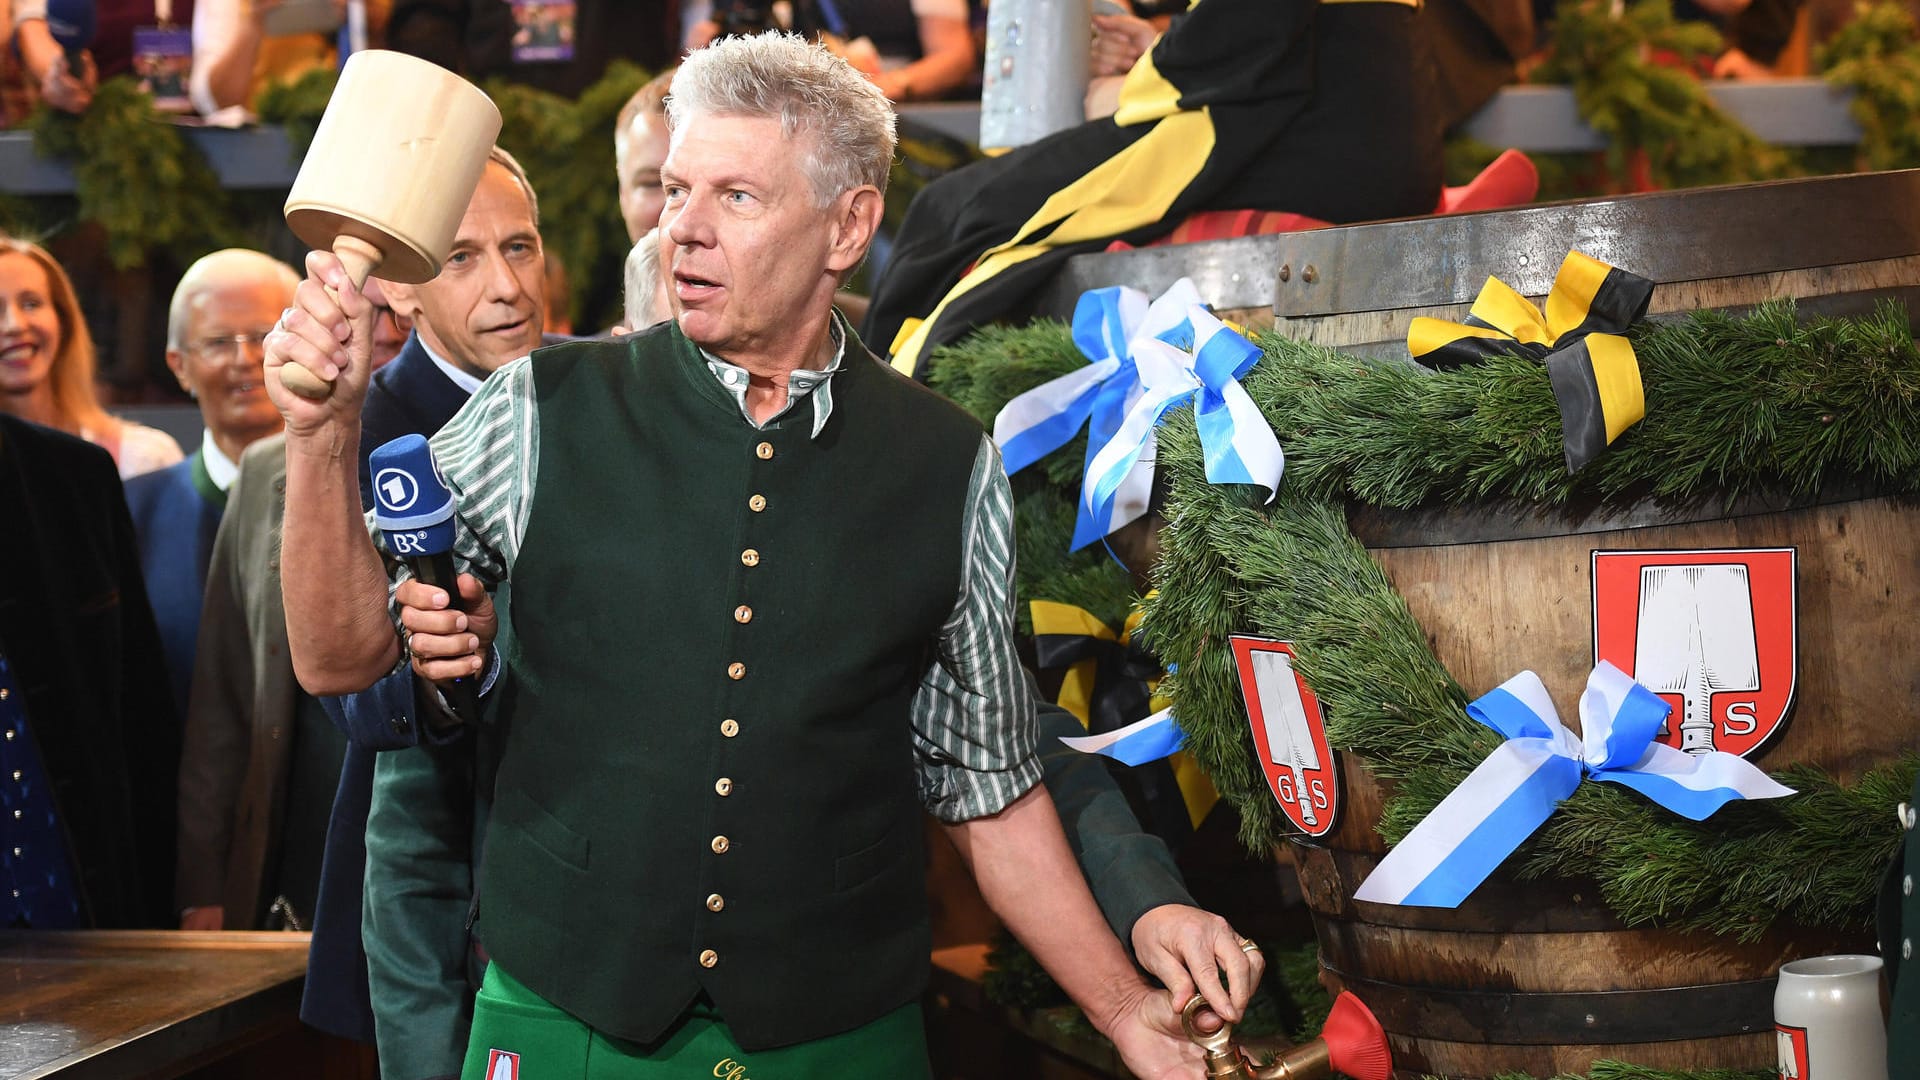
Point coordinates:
[[137, 176], [1877, 56], [981, 374], [1735, 404], [1644, 106]]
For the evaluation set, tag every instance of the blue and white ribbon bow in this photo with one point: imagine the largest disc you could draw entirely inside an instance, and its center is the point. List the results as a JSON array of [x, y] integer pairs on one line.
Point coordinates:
[[1143, 359], [1520, 784], [1138, 743]]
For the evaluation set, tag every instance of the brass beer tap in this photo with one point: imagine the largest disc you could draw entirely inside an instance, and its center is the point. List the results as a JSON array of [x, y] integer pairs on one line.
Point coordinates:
[[1351, 1034]]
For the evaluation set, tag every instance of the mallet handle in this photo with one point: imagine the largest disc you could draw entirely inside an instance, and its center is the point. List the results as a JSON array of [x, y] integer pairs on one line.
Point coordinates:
[[359, 258]]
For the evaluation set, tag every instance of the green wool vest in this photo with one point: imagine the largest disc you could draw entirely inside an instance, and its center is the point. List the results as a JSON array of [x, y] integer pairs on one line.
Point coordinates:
[[708, 775]]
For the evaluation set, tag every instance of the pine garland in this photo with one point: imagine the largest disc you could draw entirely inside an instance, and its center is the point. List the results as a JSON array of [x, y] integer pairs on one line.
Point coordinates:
[[1877, 56], [981, 374], [1734, 405], [137, 176], [1645, 106]]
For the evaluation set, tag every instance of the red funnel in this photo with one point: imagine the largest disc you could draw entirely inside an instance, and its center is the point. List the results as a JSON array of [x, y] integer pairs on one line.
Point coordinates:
[[1355, 1042]]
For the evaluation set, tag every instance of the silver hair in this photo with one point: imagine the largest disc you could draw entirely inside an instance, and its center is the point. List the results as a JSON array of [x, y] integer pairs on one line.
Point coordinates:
[[784, 76], [643, 283], [211, 271]]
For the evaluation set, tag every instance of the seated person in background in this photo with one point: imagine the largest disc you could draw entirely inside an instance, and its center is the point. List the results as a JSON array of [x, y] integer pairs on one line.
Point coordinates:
[[91, 741], [221, 311], [1316, 109], [235, 54], [111, 53], [46, 362]]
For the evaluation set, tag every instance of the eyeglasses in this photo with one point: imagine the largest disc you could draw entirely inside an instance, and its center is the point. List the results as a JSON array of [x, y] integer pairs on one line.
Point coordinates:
[[226, 347]]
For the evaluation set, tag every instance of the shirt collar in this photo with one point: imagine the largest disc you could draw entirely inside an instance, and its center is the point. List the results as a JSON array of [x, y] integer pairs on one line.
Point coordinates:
[[221, 469], [803, 383], [463, 380]]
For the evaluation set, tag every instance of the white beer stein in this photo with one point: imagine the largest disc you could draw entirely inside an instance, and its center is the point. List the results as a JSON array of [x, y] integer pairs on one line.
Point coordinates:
[[1827, 1019]]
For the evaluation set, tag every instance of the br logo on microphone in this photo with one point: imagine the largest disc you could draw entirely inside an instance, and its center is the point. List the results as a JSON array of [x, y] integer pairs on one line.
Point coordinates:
[[396, 489], [409, 543]]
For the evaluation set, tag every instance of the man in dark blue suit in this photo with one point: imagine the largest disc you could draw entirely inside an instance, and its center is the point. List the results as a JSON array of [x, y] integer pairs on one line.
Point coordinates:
[[223, 306]]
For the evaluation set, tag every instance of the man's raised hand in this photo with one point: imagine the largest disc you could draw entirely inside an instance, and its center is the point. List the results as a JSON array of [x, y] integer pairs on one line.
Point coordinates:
[[328, 331]]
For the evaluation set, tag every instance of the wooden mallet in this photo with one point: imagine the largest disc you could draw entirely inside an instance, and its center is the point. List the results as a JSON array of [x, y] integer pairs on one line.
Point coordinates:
[[392, 167]]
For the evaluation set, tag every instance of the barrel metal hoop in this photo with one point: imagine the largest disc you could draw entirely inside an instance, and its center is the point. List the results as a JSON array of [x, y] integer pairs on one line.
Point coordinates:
[[1666, 237], [1521, 1018], [1491, 522]]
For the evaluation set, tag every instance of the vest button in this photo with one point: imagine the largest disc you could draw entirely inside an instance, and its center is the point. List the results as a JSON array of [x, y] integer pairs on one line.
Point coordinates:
[[743, 614], [736, 671], [723, 787], [716, 902], [720, 845], [764, 451], [757, 503], [750, 557], [709, 958], [729, 727]]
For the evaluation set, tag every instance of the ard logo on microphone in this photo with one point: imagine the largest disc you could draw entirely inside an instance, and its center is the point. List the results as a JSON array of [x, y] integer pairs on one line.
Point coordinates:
[[396, 489], [1289, 733], [1713, 632]]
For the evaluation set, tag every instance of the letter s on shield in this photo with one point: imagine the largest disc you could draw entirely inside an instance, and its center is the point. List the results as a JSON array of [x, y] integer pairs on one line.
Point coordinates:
[[1289, 734]]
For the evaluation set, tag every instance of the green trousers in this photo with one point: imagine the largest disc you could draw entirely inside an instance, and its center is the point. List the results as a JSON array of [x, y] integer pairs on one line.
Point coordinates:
[[518, 1035]]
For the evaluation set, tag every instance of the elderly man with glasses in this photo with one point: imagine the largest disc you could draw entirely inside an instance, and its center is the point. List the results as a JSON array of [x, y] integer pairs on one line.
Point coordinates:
[[221, 311]]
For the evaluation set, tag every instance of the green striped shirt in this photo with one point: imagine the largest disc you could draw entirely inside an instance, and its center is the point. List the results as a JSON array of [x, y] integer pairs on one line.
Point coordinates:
[[973, 715]]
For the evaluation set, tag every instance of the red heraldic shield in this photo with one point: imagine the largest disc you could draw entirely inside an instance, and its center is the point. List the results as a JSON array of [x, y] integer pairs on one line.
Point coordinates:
[[1288, 733], [1713, 632], [1793, 1052]]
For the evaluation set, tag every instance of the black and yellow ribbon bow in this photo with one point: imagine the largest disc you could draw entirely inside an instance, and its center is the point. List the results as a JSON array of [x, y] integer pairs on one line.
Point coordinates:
[[1110, 682], [1595, 376]]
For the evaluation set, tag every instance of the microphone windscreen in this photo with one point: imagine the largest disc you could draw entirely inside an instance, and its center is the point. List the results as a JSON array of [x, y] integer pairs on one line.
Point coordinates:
[[71, 22], [411, 501]]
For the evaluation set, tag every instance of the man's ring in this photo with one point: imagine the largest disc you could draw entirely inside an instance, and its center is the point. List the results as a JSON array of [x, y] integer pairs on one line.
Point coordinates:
[[1249, 945]]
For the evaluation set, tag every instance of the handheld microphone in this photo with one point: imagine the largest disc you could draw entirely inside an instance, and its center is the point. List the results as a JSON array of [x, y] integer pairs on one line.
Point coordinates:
[[414, 509], [72, 24]]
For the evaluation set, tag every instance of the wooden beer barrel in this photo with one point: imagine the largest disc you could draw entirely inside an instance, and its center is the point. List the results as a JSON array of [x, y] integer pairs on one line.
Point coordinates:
[[1540, 977]]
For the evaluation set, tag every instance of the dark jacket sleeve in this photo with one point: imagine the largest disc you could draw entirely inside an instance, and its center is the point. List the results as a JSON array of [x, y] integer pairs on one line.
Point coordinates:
[[213, 758], [150, 729], [1130, 871]]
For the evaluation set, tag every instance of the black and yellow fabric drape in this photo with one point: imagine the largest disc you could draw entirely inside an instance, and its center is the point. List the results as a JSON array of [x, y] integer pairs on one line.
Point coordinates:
[[1109, 681], [1594, 373], [1314, 108]]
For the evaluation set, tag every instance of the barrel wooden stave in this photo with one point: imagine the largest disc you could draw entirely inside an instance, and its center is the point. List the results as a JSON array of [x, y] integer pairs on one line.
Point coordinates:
[[1494, 609]]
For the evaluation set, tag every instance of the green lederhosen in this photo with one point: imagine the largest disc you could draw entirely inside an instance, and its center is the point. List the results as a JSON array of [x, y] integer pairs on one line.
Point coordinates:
[[553, 1045]]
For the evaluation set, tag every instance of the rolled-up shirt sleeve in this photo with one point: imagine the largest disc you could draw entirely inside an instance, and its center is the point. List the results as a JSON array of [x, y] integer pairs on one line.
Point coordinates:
[[973, 716], [488, 454]]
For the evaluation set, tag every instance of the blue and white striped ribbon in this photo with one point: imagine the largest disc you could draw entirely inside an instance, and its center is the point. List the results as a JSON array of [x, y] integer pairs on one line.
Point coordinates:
[[1138, 743], [1143, 359], [1520, 784]]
